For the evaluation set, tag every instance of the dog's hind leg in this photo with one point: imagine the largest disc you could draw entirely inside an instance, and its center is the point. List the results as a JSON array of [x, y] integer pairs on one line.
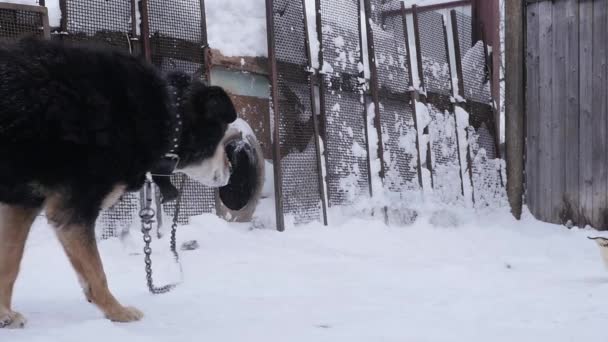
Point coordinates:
[[81, 248], [75, 227], [15, 224]]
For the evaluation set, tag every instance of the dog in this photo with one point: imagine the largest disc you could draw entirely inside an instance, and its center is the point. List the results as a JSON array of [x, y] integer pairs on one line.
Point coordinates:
[[80, 125]]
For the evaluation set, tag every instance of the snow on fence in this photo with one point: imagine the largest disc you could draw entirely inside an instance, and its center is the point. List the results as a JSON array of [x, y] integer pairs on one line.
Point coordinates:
[[359, 120]]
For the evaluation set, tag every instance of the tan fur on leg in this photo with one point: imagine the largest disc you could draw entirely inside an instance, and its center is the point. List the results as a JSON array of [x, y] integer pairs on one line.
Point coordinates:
[[15, 224], [84, 256]]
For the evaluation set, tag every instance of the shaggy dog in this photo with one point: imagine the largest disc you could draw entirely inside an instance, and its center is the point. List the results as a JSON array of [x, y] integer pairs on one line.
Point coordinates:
[[78, 127]]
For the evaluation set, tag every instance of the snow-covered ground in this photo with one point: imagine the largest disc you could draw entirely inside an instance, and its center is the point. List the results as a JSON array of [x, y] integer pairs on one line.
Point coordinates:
[[452, 276]]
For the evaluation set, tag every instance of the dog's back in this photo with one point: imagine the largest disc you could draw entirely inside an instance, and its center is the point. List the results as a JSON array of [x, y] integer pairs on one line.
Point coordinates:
[[70, 112]]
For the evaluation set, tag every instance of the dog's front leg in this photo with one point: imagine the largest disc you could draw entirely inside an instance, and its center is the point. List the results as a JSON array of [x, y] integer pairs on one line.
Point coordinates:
[[15, 223], [80, 245]]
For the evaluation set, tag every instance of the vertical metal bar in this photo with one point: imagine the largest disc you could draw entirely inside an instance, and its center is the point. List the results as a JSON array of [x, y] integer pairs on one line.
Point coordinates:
[[493, 104], [276, 143], [46, 29], [371, 52], [206, 49], [313, 102], [63, 24], [322, 104], [457, 53], [365, 114], [413, 98], [447, 52], [418, 50], [145, 29], [422, 97], [460, 75], [133, 20]]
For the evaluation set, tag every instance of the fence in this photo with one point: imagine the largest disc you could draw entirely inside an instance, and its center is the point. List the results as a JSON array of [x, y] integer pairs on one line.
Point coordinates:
[[567, 111], [358, 120]]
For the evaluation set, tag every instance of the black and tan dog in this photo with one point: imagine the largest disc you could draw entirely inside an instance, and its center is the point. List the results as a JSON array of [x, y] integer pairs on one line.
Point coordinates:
[[78, 127]]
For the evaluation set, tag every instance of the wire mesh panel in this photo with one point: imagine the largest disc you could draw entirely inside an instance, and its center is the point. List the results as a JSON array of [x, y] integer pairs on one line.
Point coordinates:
[[118, 219], [445, 156], [176, 35], [435, 68], [345, 126], [396, 115], [196, 199], [100, 21], [447, 179], [300, 174], [19, 21]]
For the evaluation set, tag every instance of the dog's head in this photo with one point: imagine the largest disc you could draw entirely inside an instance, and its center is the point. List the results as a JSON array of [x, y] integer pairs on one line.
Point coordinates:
[[206, 111]]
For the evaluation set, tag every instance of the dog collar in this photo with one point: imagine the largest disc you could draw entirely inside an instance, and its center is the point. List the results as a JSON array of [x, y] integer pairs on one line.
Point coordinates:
[[169, 161]]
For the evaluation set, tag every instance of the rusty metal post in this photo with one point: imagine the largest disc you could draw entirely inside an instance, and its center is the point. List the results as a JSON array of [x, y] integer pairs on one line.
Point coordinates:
[[413, 97], [371, 52], [145, 29], [422, 97], [315, 121], [460, 75], [453, 106], [276, 143]]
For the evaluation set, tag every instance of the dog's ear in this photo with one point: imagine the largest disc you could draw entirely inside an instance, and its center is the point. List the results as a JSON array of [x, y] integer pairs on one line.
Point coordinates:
[[213, 102]]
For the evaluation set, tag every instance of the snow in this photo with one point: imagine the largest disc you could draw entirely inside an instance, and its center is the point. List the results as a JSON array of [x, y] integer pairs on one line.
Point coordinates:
[[237, 27], [453, 275]]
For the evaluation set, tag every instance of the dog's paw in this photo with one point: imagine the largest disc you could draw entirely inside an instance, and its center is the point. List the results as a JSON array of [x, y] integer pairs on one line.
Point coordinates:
[[12, 320], [125, 314]]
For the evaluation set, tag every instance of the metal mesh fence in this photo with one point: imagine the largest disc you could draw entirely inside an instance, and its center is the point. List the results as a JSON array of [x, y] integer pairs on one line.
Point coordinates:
[[345, 126], [176, 35], [119, 218], [99, 21], [300, 181], [396, 114], [196, 199], [435, 68], [447, 178], [17, 22]]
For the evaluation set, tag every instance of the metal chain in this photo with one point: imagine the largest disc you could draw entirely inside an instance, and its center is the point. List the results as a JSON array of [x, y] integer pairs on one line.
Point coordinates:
[[147, 215]]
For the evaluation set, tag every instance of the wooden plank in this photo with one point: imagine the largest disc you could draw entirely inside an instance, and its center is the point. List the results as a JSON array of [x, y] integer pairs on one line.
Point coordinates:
[[559, 112], [532, 109], [515, 95], [571, 132], [598, 112], [546, 107], [585, 122]]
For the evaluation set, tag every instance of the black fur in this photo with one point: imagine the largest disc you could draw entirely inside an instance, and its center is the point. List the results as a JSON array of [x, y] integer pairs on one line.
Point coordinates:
[[76, 121]]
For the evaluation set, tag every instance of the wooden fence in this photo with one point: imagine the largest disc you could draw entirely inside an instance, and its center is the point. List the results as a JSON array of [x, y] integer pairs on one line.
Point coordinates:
[[566, 110]]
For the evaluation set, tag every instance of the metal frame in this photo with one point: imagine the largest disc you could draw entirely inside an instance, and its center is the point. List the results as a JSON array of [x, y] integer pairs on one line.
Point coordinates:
[[276, 143], [313, 80], [413, 93], [424, 98], [323, 113], [371, 53], [421, 97], [46, 30]]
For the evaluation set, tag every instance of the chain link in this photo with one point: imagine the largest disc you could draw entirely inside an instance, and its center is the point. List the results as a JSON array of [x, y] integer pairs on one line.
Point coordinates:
[[147, 215]]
